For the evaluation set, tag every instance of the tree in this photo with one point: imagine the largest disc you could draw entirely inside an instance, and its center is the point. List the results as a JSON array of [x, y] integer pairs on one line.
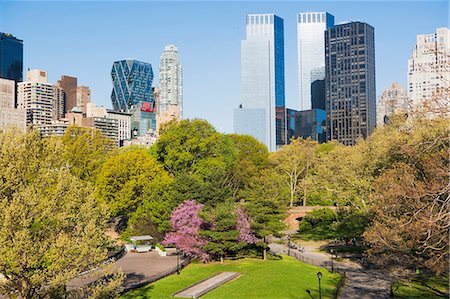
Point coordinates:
[[243, 226], [126, 176], [85, 150], [293, 162], [51, 227], [221, 232], [411, 197], [185, 234]]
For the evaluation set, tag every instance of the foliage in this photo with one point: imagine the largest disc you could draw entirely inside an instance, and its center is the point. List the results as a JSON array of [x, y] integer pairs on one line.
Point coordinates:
[[257, 280], [317, 225], [411, 199], [243, 223], [186, 224], [421, 287], [51, 227], [85, 150], [293, 162], [127, 178]]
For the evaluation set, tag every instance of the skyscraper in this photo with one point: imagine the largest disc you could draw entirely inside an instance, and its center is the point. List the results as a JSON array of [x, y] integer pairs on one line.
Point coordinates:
[[171, 80], [263, 113], [132, 92], [311, 51], [69, 85], [9, 115], [428, 70], [350, 82], [392, 101], [36, 96], [132, 84], [83, 97], [11, 57]]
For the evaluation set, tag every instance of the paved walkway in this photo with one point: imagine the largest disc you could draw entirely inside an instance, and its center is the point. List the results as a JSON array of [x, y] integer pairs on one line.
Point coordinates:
[[361, 283], [204, 286]]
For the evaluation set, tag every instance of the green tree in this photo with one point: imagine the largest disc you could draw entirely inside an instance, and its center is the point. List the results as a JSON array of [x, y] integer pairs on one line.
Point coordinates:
[[293, 162], [51, 227], [222, 235], [126, 176], [85, 150]]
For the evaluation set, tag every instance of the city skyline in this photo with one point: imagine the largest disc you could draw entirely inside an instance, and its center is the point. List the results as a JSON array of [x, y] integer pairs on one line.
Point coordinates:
[[215, 96]]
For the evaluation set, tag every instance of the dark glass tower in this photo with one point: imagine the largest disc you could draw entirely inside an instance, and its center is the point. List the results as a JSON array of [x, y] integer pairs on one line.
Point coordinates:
[[350, 82], [11, 57], [132, 84]]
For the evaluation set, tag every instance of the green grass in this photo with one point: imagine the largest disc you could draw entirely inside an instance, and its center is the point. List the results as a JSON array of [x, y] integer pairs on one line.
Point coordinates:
[[272, 279], [422, 287]]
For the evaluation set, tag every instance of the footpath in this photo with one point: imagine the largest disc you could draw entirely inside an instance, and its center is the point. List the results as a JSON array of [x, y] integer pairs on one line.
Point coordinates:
[[361, 283]]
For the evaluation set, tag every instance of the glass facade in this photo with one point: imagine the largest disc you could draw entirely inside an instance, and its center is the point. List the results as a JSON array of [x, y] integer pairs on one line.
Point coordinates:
[[11, 57], [350, 82], [307, 124], [132, 84], [263, 92], [311, 51]]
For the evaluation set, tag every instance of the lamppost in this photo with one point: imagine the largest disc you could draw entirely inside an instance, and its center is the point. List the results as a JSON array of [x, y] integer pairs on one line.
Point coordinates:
[[331, 258], [289, 245], [178, 261], [319, 276]]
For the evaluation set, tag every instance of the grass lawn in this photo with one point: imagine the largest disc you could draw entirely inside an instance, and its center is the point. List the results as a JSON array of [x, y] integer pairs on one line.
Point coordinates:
[[430, 288], [271, 279]]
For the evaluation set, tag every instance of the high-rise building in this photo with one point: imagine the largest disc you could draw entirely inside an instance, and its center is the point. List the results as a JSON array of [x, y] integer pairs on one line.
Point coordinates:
[[262, 113], [69, 85], [11, 57], [307, 124], [132, 92], [83, 97], [132, 84], [350, 82], [58, 103], [171, 80], [9, 115], [36, 96], [311, 51], [392, 101], [429, 71]]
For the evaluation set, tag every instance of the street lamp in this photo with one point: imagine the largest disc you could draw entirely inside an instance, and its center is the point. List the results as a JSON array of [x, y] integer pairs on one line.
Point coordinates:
[[331, 258], [319, 276], [289, 245]]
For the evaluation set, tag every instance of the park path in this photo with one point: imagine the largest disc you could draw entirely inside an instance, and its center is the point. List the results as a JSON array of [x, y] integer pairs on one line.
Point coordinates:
[[361, 283]]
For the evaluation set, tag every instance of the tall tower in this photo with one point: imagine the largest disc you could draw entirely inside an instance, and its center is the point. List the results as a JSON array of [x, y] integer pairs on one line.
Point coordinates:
[[11, 57], [429, 71], [263, 113], [132, 92], [311, 52], [171, 80], [69, 85], [350, 82]]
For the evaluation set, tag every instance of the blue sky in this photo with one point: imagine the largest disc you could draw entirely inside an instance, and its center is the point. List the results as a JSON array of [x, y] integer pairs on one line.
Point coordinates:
[[83, 39]]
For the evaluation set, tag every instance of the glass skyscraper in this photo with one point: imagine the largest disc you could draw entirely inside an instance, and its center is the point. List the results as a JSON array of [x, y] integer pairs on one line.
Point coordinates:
[[132, 92], [311, 51], [11, 57], [262, 113], [132, 84], [350, 82]]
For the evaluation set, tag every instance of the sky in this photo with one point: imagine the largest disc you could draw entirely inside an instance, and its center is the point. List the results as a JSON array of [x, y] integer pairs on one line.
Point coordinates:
[[83, 39]]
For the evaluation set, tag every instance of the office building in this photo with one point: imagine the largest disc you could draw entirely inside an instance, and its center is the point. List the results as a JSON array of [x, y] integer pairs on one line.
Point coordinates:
[[350, 82], [132, 84], [392, 101], [262, 113], [36, 96], [9, 115], [311, 124], [83, 97], [69, 85], [429, 71], [11, 57], [311, 52], [123, 120], [171, 80]]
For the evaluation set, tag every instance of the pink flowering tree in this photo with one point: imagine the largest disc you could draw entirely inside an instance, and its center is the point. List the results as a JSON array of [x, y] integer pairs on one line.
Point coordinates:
[[185, 234], [243, 226]]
